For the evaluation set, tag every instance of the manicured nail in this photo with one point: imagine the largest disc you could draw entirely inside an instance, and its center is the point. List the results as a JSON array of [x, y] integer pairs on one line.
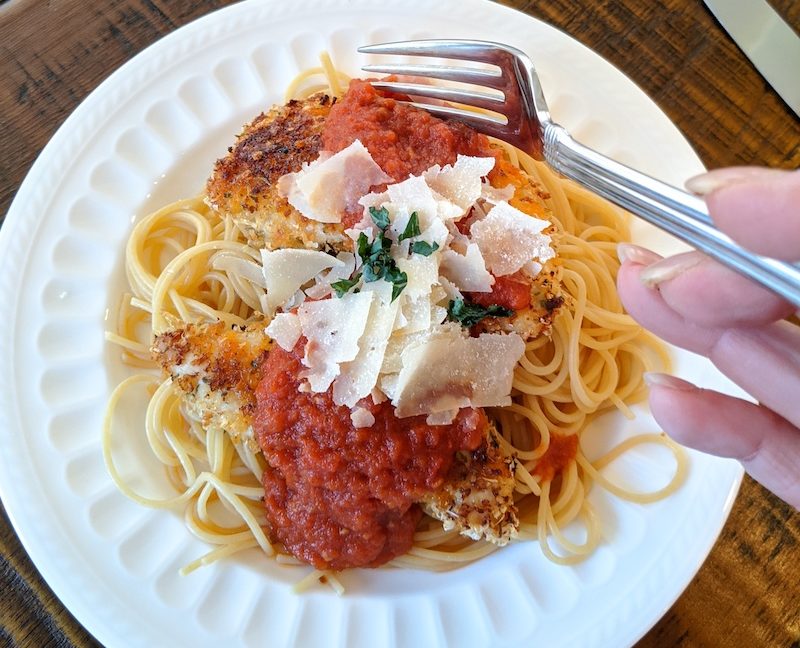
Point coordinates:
[[705, 183], [669, 268], [654, 379], [636, 254]]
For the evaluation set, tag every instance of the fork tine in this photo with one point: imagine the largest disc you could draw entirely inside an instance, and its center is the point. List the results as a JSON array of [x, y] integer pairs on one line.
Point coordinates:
[[478, 99], [467, 50], [517, 116], [494, 126], [474, 76]]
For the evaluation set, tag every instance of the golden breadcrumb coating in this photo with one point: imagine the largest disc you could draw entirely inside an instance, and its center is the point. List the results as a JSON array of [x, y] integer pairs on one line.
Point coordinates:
[[244, 183], [218, 369]]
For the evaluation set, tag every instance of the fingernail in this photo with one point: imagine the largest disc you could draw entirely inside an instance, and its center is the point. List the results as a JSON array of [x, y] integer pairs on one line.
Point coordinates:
[[655, 379], [669, 268], [636, 254], [705, 183]]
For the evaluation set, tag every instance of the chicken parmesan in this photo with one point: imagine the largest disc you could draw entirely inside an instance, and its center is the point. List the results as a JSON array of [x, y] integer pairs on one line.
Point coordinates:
[[358, 437], [384, 338]]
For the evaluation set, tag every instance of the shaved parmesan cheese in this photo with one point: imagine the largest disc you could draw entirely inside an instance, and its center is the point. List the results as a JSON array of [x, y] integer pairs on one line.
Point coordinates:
[[450, 289], [285, 330], [339, 272], [357, 378], [295, 300], [417, 312], [367, 345], [442, 418], [235, 264], [449, 371], [329, 186], [458, 242], [532, 268], [438, 315], [494, 195], [285, 271], [410, 196], [322, 288], [422, 271], [400, 321], [392, 359], [460, 183], [509, 238], [362, 418], [389, 384], [467, 271], [333, 328], [437, 233]]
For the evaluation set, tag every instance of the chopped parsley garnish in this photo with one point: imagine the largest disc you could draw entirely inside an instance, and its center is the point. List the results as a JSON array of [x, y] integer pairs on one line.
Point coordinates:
[[380, 217], [398, 279], [424, 248], [412, 228], [378, 262], [343, 285], [375, 255], [469, 313]]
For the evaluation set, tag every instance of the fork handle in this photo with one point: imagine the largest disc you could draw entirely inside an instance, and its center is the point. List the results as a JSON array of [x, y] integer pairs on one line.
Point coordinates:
[[677, 212]]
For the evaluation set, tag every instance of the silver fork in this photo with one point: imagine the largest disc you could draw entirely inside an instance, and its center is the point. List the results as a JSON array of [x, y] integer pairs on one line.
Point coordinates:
[[525, 122]]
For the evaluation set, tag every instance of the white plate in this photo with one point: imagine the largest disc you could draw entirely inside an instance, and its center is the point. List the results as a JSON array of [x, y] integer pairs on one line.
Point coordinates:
[[148, 135]]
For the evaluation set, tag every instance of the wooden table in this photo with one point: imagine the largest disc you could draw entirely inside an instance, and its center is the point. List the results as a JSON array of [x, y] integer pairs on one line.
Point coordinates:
[[55, 52]]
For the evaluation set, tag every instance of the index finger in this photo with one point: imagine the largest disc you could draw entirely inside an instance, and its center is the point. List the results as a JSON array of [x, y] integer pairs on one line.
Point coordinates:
[[758, 208]]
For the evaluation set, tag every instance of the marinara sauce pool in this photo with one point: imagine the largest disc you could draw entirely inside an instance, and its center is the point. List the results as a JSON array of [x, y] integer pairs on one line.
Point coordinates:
[[338, 496]]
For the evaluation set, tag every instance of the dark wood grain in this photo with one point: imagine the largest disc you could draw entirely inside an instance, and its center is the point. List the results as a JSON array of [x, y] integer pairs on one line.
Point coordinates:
[[53, 53]]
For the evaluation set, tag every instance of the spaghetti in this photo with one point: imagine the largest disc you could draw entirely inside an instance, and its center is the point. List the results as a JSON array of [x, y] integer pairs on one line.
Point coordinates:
[[186, 263]]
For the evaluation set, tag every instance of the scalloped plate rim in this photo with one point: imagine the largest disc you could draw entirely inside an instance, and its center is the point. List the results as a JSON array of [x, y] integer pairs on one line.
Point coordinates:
[[13, 225]]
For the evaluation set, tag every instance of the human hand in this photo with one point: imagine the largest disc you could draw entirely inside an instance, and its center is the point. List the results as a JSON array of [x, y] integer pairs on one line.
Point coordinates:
[[695, 303]]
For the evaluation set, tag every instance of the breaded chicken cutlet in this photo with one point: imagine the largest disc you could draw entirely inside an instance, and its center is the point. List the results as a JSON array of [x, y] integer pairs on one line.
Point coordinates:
[[244, 184], [217, 368]]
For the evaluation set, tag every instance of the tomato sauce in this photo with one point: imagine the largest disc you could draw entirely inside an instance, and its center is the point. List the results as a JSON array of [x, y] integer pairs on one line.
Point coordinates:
[[338, 496], [561, 452], [402, 140], [511, 291]]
